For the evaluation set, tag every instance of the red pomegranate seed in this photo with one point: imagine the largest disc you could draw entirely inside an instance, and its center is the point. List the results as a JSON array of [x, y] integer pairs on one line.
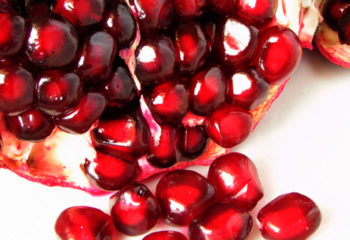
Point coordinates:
[[155, 59], [135, 210], [235, 50], [291, 216], [193, 141], [81, 13], [12, 34], [47, 51], [81, 118], [207, 90], [344, 27], [189, 8], [95, 62], [333, 11], [165, 235], [163, 147], [120, 23], [279, 54], [32, 125], [247, 88], [228, 125], [222, 7], [236, 181], [16, 89], [123, 136], [168, 102], [184, 194], [221, 221], [80, 222], [58, 91], [191, 46]]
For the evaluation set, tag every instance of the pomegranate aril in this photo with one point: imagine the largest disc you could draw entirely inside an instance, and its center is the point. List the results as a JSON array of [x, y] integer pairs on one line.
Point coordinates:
[[184, 194], [344, 27], [81, 118], [155, 59], [123, 136], [191, 46], [80, 222], [189, 8], [228, 125], [279, 54], [165, 235], [207, 90], [221, 221], [12, 34], [168, 102], [247, 88], [95, 62], [135, 210], [32, 125], [51, 42], [193, 141], [222, 7], [236, 181], [16, 89], [333, 10], [58, 92], [291, 216]]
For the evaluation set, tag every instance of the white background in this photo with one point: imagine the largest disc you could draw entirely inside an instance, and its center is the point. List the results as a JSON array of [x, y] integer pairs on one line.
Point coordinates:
[[302, 144]]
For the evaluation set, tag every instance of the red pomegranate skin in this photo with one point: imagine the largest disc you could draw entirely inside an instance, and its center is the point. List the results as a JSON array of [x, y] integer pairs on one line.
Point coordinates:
[[221, 221], [165, 235], [12, 34], [291, 216]]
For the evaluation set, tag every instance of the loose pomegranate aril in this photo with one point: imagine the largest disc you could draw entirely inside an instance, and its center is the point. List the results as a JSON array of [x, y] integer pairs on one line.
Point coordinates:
[[58, 91], [135, 210], [123, 136], [228, 125], [207, 90], [155, 59], [95, 62], [193, 141], [165, 235], [279, 54], [32, 125], [183, 195], [333, 11], [291, 216], [81, 118], [344, 27], [236, 181], [221, 221], [51, 42], [81, 13], [77, 223], [16, 89], [189, 8], [12, 34], [168, 102], [222, 7], [247, 89], [110, 173]]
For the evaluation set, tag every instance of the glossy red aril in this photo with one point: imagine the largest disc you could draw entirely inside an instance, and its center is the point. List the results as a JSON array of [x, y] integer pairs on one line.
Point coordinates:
[[80, 222], [191, 46], [95, 62], [123, 136], [184, 194], [58, 91], [168, 102], [344, 27], [110, 173], [222, 7], [32, 125], [12, 34], [221, 221], [291, 216], [333, 11], [189, 8], [193, 141], [279, 54], [165, 235], [247, 88], [228, 125], [16, 89], [207, 90], [135, 210], [236, 181], [235, 50], [47, 51], [82, 117], [81, 13], [155, 59], [163, 148]]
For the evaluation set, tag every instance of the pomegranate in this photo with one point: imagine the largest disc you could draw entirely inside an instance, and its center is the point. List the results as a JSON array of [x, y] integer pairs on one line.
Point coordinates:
[[165, 235]]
